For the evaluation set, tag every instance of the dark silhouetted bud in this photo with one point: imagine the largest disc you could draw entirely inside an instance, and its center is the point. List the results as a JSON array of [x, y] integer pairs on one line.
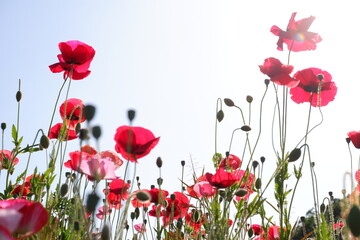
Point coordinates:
[[322, 208], [249, 99], [131, 114], [255, 164], [152, 186], [267, 81], [92, 201], [353, 220], [84, 134], [258, 183], [172, 197], [320, 77], [143, 196], [179, 223], [89, 112], [64, 189], [105, 232], [241, 192], [227, 154], [347, 140], [228, 102], [96, 132], [262, 159], [250, 232], [137, 213], [159, 162], [132, 215], [137, 178], [159, 181], [295, 155], [182, 163], [302, 218], [68, 174], [246, 128], [76, 226], [312, 164], [44, 141], [18, 96], [220, 115], [3, 126]]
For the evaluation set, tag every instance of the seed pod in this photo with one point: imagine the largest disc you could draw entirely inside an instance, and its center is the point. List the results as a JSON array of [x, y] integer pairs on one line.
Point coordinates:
[[159, 181], [44, 141], [255, 164], [262, 159], [84, 134], [249, 99], [347, 140], [294, 155], [228, 102], [182, 163]]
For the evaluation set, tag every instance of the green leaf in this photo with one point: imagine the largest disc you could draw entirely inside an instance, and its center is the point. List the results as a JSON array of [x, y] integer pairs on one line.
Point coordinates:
[[14, 132]]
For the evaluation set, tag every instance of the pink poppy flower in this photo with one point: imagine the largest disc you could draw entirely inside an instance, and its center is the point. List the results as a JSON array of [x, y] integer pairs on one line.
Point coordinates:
[[222, 178], [75, 59], [76, 158], [72, 110], [98, 168], [58, 131], [140, 227], [6, 157], [278, 72], [103, 211], [134, 142], [22, 217], [315, 86], [204, 189], [232, 162], [113, 156], [296, 36], [273, 233], [355, 138]]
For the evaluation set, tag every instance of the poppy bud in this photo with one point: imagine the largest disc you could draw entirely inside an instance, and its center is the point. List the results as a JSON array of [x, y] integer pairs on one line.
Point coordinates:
[[77, 128], [3, 126], [312, 164], [131, 115], [96, 132], [84, 134], [294, 155], [44, 141], [250, 232], [246, 128], [76, 226], [241, 192], [137, 178], [249, 99], [172, 197], [347, 140], [145, 221], [18, 96], [353, 219], [228, 102], [137, 213], [159, 181], [267, 81], [182, 163], [262, 159], [322, 208], [142, 196], [89, 112], [255, 164], [132, 215], [67, 174], [258, 183], [320, 77], [220, 115], [92, 201], [152, 186], [105, 233], [64, 189], [302, 218], [159, 162], [127, 227]]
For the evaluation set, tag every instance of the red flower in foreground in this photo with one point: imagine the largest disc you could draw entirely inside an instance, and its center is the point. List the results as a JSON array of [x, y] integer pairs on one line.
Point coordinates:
[[75, 59], [278, 72], [232, 162], [355, 138], [222, 178], [296, 36], [315, 86], [134, 142], [72, 110], [7, 158], [59, 131], [22, 217]]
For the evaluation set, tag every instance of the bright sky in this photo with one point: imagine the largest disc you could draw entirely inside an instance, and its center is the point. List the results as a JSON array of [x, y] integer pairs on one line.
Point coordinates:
[[171, 60]]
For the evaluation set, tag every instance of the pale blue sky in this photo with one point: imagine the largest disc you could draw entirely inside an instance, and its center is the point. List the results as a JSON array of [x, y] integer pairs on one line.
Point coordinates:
[[171, 60]]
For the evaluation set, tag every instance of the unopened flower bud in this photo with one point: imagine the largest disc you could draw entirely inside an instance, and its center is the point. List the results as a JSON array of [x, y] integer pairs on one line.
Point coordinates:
[[220, 115], [44, 141], [249, 99], [241, 192], [18, 96], [322, 208], [76, 226], [96, 132], [77, 128], [84, 134], [262, 159], [105, 232], [89, 112], [64, 189], [250, 232], [92, 201], [131, 114], [172, 197], [353, 219], [258, 183], [294, 155], [159, 162], [228, 102], [246, 128], [320, 77], [137, 212], [143, 196], [347, 140], [267, 81], [182, 163], [159, 181], [3, 126], [255, 164], [132, 215]]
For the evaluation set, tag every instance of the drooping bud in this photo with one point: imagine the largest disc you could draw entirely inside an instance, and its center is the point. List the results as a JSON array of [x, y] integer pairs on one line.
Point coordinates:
[[294, 155], [249, 99], [159, 162], [322, 208], [77, 128], [131, 114], [96, 132], [220, 115], [44, 141], [228, 102], [89, 112]]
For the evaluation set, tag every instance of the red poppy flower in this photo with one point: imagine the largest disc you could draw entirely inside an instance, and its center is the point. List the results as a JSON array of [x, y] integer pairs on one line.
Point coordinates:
[[120, 188], [72, 110], [134, 142], [355, 138], [357, 175], [157, 195], [76, 158], [232, 162], [61, 133], [7, 158], [296, 36], [22, 217], [278, 72], [315, 86], [222, 178], [75, 59], [273, 233]]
